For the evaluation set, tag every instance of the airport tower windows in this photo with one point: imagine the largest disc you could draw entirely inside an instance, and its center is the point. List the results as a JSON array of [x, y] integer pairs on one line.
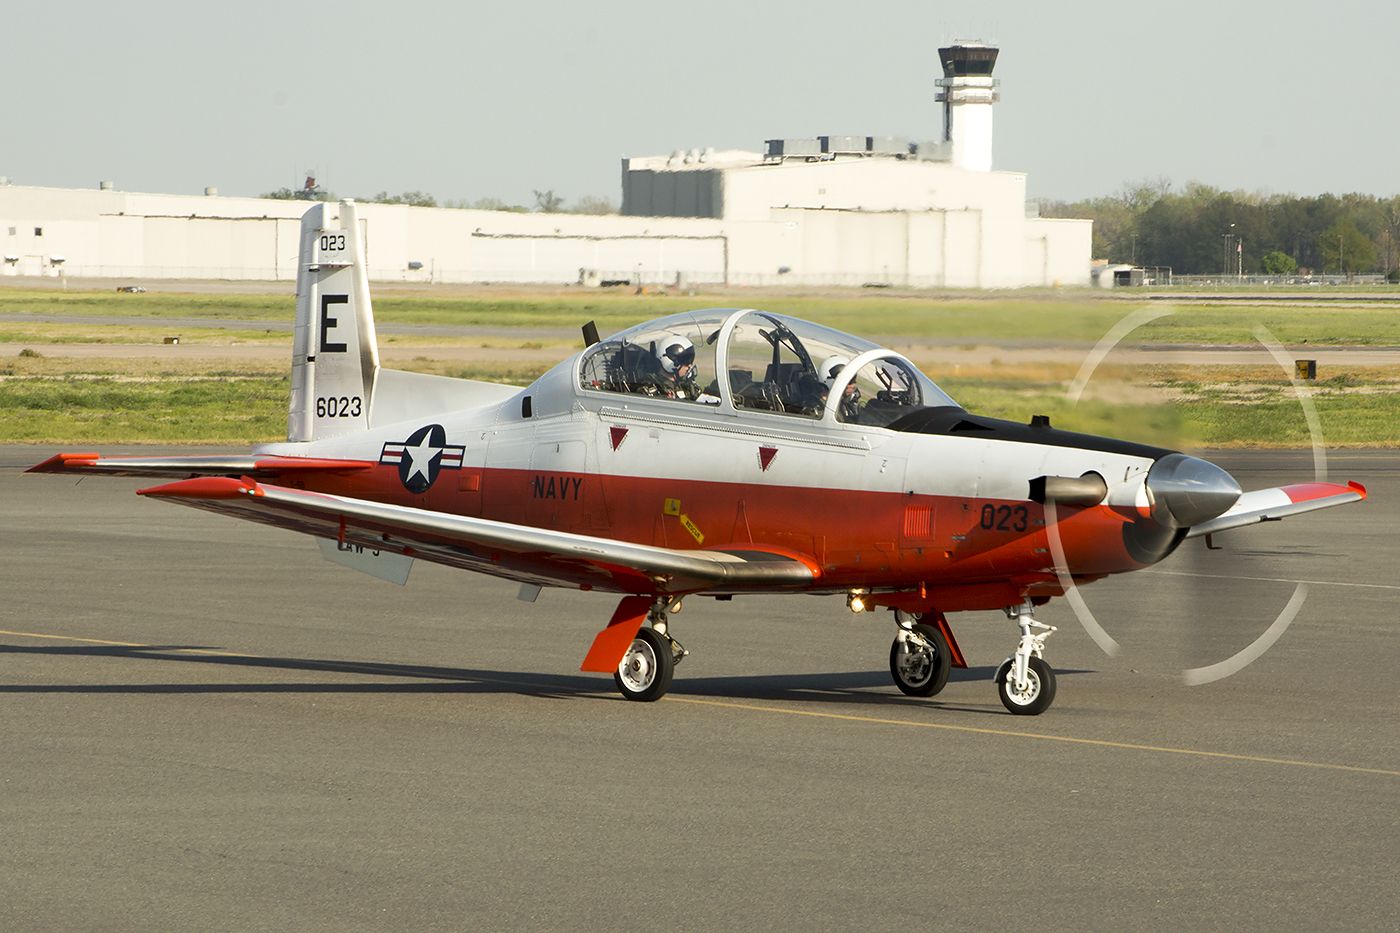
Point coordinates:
[[38, 231]]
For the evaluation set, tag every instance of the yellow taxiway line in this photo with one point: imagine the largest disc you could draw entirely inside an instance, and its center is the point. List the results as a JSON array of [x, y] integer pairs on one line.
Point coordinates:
[[850, 717], [1072, 740]]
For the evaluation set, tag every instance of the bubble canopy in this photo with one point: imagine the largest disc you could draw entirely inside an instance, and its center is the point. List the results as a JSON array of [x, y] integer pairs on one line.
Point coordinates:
[[756, 361]]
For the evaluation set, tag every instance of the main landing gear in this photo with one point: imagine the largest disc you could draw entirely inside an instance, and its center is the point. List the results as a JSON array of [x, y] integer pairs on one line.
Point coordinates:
[[647, 667], [919, 658], [1024, 681]]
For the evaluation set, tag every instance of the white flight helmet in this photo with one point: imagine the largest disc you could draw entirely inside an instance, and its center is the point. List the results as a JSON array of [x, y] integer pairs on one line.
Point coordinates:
[[831, 368], [674, 351]]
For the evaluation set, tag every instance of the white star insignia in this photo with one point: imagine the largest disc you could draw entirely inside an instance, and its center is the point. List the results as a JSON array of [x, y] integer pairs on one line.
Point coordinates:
[[422, 457]]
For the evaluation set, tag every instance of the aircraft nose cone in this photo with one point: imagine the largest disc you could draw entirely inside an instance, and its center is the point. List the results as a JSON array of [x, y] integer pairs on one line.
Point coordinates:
[[1186, 491]]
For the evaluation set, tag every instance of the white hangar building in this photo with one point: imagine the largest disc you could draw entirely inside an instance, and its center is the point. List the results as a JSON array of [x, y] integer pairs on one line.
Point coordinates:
[[832, 210]]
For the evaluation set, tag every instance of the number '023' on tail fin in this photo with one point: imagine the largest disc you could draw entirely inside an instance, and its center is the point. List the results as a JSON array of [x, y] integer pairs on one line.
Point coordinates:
[[335, 359]]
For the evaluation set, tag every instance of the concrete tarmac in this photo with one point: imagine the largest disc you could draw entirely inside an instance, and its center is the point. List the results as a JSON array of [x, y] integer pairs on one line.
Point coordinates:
[[206, 726]]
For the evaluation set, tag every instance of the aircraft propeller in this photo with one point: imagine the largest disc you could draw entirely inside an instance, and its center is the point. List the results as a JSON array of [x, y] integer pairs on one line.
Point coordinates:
[[1186, 490]]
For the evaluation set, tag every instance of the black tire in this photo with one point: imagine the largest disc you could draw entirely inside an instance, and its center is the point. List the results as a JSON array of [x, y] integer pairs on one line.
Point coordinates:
[[646, 670], [1039, 694], [918, 671]]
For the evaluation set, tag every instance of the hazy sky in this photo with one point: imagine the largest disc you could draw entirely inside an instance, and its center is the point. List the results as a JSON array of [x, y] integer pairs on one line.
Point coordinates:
[[468, 99]]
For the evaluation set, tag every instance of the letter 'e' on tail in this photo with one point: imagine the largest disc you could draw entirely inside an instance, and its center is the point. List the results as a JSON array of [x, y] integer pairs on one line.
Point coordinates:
[[335, 358]]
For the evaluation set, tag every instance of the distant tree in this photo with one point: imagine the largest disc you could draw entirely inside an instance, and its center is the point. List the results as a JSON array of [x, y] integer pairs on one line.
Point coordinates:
[[1277, 262], [593, 204], [1195, 230], [1390, 236], [1138, 196], [488, 204], [547, 202], [411, 198], [1346, 248], [299, 194]]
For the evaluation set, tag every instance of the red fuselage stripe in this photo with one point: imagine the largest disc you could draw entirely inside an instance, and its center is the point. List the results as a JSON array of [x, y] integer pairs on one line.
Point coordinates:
[[855, 537]]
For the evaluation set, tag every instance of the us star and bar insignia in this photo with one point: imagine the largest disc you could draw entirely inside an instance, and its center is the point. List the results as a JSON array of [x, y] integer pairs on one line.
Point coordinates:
[[422, 457]]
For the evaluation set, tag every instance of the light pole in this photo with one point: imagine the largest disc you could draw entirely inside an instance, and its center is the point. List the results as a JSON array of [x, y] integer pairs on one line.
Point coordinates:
[[1341, 266], [1135, 236]]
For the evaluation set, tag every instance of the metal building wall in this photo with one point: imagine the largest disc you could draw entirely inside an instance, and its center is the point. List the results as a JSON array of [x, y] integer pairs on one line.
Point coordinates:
[[851, 222]]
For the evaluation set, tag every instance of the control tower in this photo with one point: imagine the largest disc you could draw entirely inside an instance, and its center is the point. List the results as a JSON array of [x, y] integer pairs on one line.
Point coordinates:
[[967, 91]]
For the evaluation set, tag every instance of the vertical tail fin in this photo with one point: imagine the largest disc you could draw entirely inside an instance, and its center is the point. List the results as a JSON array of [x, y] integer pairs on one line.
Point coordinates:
[[335, 356]]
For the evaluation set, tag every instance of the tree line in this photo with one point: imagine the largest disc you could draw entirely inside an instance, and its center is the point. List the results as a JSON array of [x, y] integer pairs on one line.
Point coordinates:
[[1202, 230], [546, 201]]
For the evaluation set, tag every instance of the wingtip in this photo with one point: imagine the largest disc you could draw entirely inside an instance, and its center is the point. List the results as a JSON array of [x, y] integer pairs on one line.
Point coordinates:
[[60, 463], [1360, 489]]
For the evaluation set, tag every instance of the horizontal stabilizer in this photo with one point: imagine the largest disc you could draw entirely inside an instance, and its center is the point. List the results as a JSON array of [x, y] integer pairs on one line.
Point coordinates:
[[1271, 505], [171, 467]]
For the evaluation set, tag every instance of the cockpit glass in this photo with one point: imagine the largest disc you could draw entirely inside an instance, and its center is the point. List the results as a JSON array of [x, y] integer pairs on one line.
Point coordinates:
[[777, 364], [672, 358], [885, 390]]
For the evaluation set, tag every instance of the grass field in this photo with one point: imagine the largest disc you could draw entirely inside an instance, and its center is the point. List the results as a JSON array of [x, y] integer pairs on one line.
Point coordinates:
[[1076, 319], [124, 397]]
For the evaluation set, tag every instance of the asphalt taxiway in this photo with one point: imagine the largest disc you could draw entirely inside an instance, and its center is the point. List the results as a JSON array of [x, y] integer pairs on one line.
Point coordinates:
[[207, 726]]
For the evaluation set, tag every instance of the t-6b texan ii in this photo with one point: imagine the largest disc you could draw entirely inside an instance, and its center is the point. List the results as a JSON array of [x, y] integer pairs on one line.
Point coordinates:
[[714, 453]]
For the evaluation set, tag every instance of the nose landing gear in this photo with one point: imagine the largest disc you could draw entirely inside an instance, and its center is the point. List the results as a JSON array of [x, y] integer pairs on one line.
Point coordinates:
[[1025, 682]]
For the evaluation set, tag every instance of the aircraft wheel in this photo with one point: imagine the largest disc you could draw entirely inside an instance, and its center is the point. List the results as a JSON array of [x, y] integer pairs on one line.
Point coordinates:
[[646, 670], [921, 670], [1039, 692]]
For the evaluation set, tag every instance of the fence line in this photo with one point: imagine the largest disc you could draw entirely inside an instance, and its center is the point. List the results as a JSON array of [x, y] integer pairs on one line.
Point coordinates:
[[648, 277], [1227, 281]]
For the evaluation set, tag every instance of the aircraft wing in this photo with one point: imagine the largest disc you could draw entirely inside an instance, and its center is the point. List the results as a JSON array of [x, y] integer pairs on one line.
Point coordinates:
[[170, 467], [517, 552], [1272, 505]]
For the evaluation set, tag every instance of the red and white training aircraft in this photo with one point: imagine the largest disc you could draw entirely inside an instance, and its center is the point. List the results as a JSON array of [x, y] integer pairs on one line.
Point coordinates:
[[712, 453]]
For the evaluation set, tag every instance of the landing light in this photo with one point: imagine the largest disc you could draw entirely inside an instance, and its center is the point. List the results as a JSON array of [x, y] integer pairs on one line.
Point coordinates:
[[856, 601]]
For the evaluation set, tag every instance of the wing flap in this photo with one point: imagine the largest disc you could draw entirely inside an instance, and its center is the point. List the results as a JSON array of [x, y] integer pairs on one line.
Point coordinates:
[[517, 552], [1276, 504], [170, 467]]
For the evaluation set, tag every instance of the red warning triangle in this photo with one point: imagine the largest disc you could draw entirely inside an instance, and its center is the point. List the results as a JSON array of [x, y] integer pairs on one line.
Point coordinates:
[[618, 434], [765, 456]]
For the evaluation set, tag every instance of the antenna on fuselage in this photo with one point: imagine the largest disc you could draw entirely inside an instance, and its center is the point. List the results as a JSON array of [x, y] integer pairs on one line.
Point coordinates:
[[590, 334]]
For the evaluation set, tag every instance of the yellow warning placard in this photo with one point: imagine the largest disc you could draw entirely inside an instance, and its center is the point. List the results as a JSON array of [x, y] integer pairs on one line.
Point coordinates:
[[672, 507], [694, 532]]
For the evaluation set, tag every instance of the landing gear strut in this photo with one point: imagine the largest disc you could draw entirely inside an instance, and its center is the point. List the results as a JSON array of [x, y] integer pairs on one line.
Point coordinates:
[[1025, 682], [647, 667], [919, 658]]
